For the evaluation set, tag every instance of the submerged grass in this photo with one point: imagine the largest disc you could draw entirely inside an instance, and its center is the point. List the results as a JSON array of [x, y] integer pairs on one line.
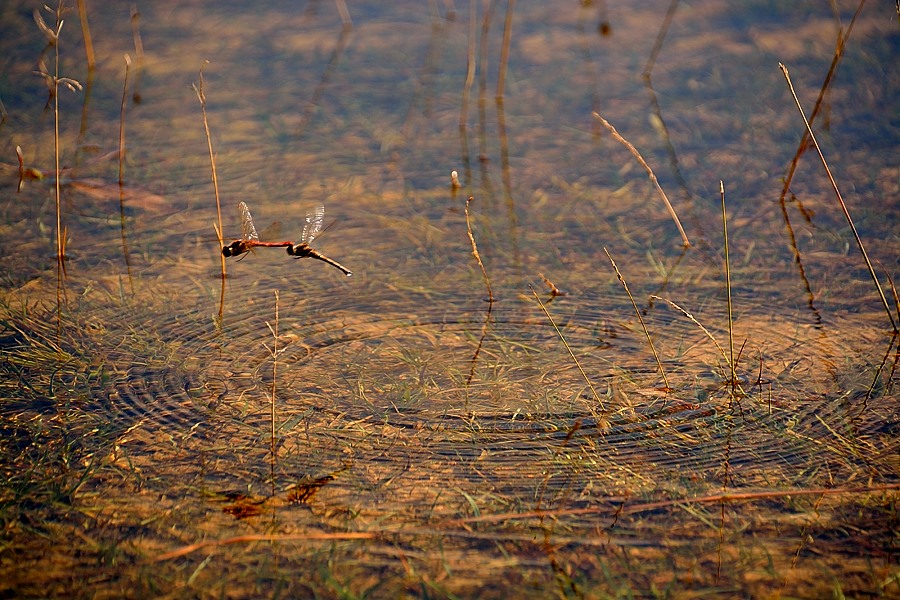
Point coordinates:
[[530, 493]]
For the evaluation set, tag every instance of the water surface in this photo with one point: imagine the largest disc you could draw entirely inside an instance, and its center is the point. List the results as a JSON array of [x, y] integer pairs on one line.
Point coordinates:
[[430, 443]]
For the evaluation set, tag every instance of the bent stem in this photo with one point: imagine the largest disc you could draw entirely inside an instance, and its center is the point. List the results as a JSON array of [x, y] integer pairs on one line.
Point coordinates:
[[698, 324], [840, 199], [640, 318], [637, 155]]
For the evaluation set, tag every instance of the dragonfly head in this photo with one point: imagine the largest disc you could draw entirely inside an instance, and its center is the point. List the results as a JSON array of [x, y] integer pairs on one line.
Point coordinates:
[[234, 248]]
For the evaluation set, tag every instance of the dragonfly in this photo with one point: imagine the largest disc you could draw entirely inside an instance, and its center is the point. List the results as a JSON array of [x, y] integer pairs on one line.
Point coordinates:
[[314, 220], [250, 239]]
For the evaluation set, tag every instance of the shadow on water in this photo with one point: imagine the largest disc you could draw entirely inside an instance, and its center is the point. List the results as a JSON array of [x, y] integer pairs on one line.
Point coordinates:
[[426, 442]]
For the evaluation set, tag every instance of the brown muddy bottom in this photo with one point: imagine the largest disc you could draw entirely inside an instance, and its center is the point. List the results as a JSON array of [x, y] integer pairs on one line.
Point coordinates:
[[291, 432]]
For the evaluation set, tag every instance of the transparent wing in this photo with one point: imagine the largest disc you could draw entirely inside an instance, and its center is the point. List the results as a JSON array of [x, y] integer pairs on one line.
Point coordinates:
[[248, 231], [314, 220]]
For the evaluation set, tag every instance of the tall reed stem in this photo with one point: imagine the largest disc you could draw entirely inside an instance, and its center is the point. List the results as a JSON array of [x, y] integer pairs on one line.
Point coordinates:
[[212, 160], [728, 288], [840, 199]]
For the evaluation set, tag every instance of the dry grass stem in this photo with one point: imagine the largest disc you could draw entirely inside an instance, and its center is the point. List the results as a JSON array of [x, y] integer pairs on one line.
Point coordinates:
[[637, 311], [843, 36], [640, 159], [212, 161], [840, 199], [728, 288], [697, 323], [274, 351], [487, 280], [122, 124], [569, 348], [53, 82]]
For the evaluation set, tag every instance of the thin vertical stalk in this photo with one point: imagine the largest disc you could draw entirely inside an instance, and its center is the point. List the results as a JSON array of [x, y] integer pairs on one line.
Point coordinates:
[[212, 159], [840, 199], [569, 348], [640, 318], [274, 352], [122, 171], [728, 288]]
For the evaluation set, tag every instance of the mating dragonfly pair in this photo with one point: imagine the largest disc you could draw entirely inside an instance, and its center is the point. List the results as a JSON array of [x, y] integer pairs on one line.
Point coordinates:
[[250, 239]]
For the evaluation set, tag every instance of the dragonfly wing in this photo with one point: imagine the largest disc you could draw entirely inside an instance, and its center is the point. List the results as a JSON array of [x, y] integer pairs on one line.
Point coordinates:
[[314, 220], [272, 232], [248, 231]]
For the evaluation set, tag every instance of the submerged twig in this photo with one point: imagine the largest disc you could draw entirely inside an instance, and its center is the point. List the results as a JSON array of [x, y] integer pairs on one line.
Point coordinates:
[[122, 173], [470, 69], [655, 506], [504, 49], [487, 280], [569, 348], [840, 199], [86, 33], [660, 37], [637, 155], [345, 14], [637, 311], [139, 54], [265, 537]]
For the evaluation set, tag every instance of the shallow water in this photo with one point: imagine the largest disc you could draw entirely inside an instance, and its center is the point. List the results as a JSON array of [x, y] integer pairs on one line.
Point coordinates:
[[430, 443]]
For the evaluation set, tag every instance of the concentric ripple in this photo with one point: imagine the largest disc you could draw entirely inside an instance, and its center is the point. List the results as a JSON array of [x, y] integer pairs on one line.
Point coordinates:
[[398, 397]]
